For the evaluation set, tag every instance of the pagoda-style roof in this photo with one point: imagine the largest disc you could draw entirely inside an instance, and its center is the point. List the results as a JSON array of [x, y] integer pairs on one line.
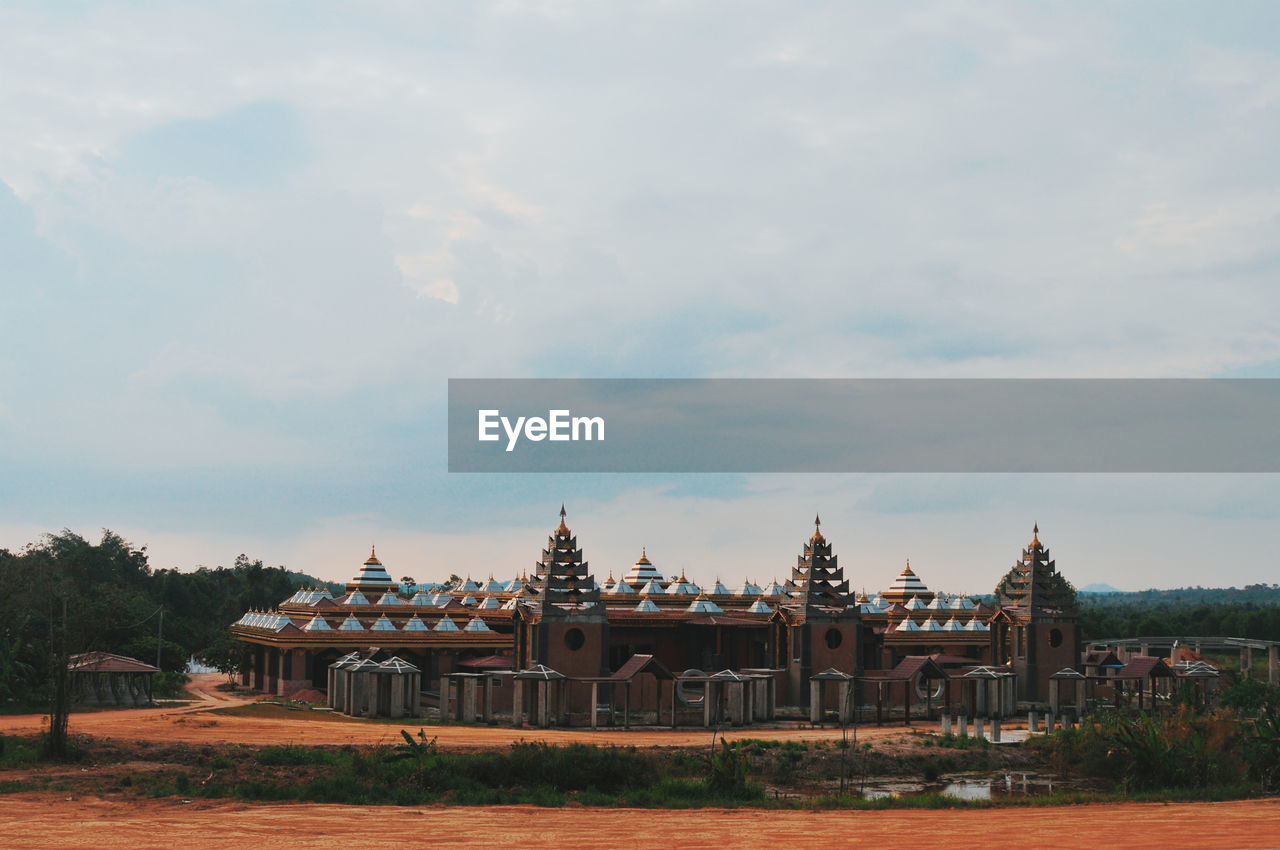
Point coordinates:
[[1034, 585], [817, 580]]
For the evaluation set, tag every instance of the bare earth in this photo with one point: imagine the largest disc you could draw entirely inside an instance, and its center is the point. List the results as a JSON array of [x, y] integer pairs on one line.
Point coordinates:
[[53, 821], [192, 724], [57, 820]]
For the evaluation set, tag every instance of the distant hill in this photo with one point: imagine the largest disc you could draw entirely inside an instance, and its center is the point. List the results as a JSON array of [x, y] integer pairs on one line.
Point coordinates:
[[1100, 588]]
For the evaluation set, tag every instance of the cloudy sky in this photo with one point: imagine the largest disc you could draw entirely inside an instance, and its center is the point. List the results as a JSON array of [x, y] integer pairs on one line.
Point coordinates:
[[243, 246]]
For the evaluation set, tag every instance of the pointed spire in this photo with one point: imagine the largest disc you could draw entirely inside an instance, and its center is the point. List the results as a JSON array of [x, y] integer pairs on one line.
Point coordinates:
[[1035, 536], [562, 530], [817, 530]]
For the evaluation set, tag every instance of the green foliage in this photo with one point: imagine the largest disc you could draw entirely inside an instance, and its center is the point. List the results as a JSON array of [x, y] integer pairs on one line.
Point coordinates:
[[295, 755], [115, 600], [729, 768], [1181, 750], [168, 685], [1249, 612], [1250, 696]]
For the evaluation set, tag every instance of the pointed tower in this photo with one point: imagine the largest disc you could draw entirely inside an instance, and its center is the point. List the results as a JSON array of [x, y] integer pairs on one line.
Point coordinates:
[[822, 630], [1040, 633], [816, 579], [570, 631]]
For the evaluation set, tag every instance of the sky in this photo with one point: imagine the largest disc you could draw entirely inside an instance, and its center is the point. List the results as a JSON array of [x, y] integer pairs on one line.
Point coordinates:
[[243, 246]]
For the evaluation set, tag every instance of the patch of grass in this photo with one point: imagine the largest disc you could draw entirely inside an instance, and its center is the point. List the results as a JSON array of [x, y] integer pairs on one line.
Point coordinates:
[[14, 786], [294, 755], [14, 753]]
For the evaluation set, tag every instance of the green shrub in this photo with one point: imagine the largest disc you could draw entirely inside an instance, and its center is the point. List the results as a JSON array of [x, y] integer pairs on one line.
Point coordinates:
[[295, 755]]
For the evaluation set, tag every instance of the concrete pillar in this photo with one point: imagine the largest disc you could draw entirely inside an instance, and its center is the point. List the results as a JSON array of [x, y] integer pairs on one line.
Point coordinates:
[[846, 702], [486, 710], [815, 701], [595, 702], [736, 703], [1054, 696], [517, 702], [962, 724], [946, 723], [468, 699], [1080, 698], [995, 730], [708, 704], [1246, 662], [1033, 722], [977, 727], [980, 694], [445, 685], [1050, 722], [1273, 664]]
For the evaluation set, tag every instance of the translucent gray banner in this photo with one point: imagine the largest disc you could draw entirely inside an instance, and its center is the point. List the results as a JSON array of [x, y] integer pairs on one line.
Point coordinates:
[[879, 425]]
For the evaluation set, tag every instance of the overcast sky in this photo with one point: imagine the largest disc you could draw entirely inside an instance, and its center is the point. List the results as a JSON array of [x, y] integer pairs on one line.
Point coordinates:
[[243, 246]]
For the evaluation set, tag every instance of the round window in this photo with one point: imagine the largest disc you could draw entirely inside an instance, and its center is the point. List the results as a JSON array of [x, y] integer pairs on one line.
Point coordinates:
[[834, 638], [574, 639], [1055, 637]]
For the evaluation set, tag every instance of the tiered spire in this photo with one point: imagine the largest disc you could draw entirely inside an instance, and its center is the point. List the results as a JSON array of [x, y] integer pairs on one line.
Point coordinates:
[[816, 579], [563, 579], [1034, 584]]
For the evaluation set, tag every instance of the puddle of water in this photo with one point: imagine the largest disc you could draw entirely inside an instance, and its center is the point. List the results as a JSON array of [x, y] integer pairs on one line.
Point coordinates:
[[970, 787]]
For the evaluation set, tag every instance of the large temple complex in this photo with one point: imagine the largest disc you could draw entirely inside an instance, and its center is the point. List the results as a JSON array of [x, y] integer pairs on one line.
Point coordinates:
[[560, 623]]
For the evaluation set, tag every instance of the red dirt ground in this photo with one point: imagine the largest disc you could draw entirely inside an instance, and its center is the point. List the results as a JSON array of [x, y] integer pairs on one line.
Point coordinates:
[[193, 724], [43, 820]]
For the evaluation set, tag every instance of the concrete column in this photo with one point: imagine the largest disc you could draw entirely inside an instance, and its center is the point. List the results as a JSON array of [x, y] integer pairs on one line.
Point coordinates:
[[1246, 662], [517, 702], [946, 723], [1033, 722], [846, 701], [1054, 687], [1050, 722], [445, 684], [396, 706], [962, 724], [735, 698], [544, 706], [980, 693], [995, 730], [1273, 664], [1080, 699], [977, 727], [486, 710], [815, 701], [595, 702], [469, 699]]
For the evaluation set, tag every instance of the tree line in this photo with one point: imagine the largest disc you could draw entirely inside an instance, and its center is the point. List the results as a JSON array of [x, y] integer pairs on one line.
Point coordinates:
[[64, 594]]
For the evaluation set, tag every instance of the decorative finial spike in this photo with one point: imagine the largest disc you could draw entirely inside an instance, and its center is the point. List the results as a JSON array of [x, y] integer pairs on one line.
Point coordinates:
[[817, 520], [562, 511]]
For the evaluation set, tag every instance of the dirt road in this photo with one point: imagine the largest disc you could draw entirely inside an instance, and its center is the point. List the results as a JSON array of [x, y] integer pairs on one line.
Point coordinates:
[[194, 724], [52, 821]]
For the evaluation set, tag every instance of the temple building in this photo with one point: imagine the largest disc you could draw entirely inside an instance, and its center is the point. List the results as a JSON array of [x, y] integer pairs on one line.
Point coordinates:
[[558, 620]]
